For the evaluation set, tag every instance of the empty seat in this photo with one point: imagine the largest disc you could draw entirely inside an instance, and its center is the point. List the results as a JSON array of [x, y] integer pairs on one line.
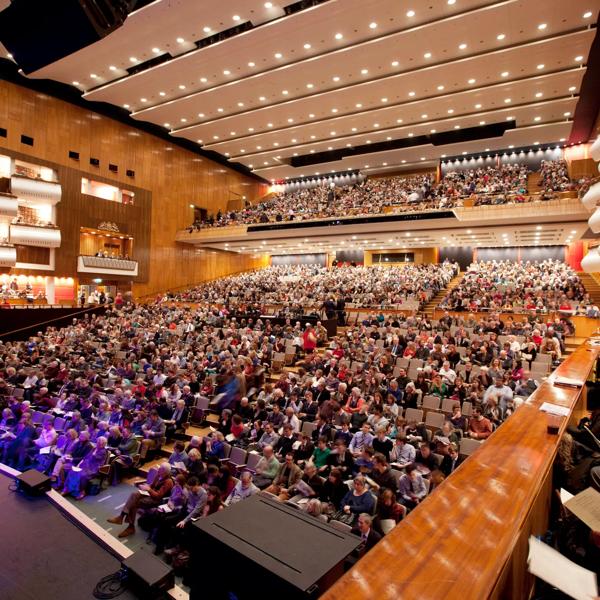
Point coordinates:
[[414, 414], [431, 402], [448, 405], [402, 363], [435, 420], [468, 446], [467, 408], [237, 458], [253, 458], [308, 427]]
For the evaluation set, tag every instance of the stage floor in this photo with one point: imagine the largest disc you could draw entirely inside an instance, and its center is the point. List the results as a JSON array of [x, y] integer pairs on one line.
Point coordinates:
[[44, 555]]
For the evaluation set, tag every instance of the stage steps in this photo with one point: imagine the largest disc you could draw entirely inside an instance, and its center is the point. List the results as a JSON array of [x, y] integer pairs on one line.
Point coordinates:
[[591, 285]]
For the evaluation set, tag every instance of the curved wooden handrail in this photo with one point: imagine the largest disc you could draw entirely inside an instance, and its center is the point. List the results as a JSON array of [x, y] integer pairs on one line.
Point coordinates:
[[468, 540]]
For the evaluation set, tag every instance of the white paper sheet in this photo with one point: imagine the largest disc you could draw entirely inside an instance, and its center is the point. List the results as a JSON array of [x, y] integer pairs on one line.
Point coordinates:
[[555, 409], [551, 566]]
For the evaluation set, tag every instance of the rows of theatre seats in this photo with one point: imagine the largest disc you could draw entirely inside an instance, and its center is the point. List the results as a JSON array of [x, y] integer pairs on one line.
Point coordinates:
[[312, 287], [545, 286], [92, 368], [483, 186]]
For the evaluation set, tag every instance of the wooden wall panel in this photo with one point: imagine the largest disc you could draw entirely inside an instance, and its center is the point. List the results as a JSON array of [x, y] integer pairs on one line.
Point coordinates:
[[422, 256], [33, 254], [175, 178]]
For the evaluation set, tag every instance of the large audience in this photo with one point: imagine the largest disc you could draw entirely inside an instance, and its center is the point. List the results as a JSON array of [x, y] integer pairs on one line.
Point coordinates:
[[549, 285], [344, 431], [486, 185], [311, 286]]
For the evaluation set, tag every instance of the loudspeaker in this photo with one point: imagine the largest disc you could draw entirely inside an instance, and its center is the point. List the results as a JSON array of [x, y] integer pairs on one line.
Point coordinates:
[[39, 32], [148, 576], [33, 483]]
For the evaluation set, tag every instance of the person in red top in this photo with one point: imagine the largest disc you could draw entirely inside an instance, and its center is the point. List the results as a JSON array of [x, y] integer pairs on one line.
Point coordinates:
[[309, 339], [480, 428]]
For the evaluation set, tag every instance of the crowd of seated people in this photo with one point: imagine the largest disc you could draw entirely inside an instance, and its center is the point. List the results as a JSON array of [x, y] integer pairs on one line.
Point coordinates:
[[554, 176], [549, 285], [313, 286], [341, 435], [487, 185]]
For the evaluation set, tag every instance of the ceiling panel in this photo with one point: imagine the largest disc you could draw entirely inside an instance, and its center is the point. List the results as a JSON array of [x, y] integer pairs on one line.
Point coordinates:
[[317, 26], [524, 107], [425, 155], [157, 26]]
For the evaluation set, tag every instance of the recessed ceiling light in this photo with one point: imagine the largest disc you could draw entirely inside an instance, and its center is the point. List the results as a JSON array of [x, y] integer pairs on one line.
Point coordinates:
[[511, 146], [312, 137], [424, 116], [410, 13], [156, 50], [540, 66], [427, 55], [226, 72], [398, 120], [250, 129], [579, 58], [167, 124], [203, 80], [450, 111], [411, 94], [144, 99], [510, 118], [384, 100], [251, 64], [262, 98], [482, 122], [236, 17], [471, 81], [567, 114], [180, 40], [457, 127], [539, 95], [161, 94], [432, 130], [182, 87], [537, 118], [395, 63], [75, 82], [500, 36], [311, 116], [358, 105], [219, 110], [294, 140], [403, 161], [334, 110], [339, 36], [206, 29], [112, 68], [354, 129], [284, 92], [411, 134], [307, 46], [125, 105], [478, 106], [375, 125], [373, 25], [451, 2], [364, 71], [440, 87], [290, 120], [93, 75], [232, 133], [462, 46], [504, 74], [133, 59], [507, 100], [269, 124], [310, 86]]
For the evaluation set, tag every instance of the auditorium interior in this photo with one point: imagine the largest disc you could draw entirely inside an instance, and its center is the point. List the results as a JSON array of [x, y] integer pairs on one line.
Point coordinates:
[[300, 299]]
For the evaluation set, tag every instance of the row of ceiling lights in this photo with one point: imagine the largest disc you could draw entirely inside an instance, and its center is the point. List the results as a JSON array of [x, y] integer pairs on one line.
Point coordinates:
[[450, 111], [278, 55]]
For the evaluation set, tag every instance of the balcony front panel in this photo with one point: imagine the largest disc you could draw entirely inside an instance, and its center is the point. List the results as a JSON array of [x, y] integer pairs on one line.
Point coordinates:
[[35, 190], [107, 266], [30, 235]]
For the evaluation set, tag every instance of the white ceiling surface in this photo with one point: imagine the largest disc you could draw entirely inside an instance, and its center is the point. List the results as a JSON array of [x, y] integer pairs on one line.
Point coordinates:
[[407, 157], [511, 49], [516, 235]]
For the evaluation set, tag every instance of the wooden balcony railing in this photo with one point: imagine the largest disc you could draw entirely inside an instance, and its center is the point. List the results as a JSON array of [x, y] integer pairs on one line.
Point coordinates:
[[468, 540]]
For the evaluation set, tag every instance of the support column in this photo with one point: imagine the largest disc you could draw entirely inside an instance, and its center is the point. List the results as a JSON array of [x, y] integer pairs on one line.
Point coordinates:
[[50, 290]]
